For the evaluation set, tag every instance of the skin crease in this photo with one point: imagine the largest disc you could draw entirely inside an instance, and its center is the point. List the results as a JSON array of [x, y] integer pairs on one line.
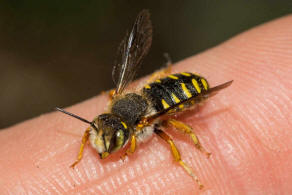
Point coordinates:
[[246, 127]]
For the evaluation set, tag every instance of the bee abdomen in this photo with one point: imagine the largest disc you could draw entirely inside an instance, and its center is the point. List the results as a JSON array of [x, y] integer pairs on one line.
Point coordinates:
[[166, 92]]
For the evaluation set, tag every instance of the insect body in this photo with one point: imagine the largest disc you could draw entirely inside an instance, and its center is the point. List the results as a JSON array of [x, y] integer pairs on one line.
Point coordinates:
[[134, 117]]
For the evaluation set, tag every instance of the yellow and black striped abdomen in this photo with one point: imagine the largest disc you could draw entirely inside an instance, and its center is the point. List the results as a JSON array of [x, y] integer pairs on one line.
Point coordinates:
[[168, 91]]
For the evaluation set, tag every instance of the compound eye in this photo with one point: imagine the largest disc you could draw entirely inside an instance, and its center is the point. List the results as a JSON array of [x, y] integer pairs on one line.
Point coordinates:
[[117, 141], [120, 138]]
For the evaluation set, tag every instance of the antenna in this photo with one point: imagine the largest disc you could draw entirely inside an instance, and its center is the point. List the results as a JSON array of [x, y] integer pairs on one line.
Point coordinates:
[[73, 115]]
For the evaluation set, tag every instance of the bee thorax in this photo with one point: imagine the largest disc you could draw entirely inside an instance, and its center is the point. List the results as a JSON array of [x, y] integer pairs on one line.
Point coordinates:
[[145, 134], [130, 108]]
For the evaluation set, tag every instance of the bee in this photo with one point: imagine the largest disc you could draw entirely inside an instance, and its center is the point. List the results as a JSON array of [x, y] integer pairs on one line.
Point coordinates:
[[135, 117]]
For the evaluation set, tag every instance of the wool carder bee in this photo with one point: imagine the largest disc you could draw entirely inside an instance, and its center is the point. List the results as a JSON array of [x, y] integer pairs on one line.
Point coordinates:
[[136, 116]]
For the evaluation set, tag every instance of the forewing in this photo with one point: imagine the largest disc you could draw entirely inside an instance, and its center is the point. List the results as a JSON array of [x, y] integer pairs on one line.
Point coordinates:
[[132, 50]]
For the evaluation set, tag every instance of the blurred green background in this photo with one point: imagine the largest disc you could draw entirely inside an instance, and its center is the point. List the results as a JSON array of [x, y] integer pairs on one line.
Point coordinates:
[[58, 53]]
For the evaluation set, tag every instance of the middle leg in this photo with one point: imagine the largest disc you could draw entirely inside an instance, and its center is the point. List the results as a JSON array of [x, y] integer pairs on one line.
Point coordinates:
[[176, 155], [188, 130]]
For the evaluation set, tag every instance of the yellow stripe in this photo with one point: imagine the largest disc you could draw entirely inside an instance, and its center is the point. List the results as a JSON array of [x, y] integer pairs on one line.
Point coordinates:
[[175, 98], [173, 77], [196, 85], [147, 86], [124, 124], [158, 81], [196, 74], [186, 91], [204, 82], [181, 106], [165, 105], [186, 74]]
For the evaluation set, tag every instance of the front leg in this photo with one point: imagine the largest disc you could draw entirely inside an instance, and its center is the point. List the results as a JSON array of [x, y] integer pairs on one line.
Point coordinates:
[[132, 148], [133, 145], [83, 142]]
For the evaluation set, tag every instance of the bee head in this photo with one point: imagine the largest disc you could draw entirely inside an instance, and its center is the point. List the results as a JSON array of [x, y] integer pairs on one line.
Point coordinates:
[[108, 134]]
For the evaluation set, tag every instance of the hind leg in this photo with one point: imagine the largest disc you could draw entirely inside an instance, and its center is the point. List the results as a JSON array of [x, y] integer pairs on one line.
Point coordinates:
[[161, 73]]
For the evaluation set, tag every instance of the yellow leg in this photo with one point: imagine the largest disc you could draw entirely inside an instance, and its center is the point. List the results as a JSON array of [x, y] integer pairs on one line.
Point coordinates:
[[83, 142], [132, 148], [133, 145], [176, 155], [110, 93], [188, 130]]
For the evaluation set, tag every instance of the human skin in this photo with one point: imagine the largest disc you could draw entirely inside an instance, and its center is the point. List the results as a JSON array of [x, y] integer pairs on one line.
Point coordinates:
[[246, 127]]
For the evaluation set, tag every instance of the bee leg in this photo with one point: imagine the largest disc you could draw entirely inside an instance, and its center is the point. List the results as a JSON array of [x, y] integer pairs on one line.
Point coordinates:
[[188, 130], [176, 155], [111, 94], [133, 145], [132, 148], [168, 59], [161, 73], [83, 142]]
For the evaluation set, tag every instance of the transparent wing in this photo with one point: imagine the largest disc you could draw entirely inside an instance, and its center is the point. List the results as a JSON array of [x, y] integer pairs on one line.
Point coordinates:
[[132, 50]]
